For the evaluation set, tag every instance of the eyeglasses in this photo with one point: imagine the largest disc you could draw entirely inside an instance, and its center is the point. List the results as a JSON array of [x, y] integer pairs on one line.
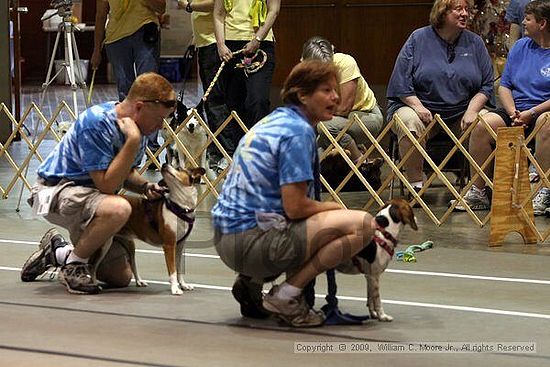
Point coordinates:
[[171, 103], [451, 54], [460, 9]]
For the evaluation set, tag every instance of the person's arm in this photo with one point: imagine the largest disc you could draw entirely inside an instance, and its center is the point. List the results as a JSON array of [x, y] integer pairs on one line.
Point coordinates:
[[197, 5], [348, 92], [273, 8], [138, 184], [102, 10], [298, 206], [158, 6], [224, 52], [507, 100], [109, 180], [476, 104]]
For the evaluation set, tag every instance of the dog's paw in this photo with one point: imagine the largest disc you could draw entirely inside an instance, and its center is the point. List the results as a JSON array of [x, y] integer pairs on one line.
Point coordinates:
[[385, 318], [176, 291], [141, 283], [186, 287]]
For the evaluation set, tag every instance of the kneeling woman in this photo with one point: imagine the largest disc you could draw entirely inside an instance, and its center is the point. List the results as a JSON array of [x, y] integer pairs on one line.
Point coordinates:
[[266, 220]]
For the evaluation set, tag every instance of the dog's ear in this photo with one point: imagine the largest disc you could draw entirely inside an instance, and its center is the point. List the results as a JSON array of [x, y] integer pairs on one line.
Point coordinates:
[[197, 172], [403, 212]]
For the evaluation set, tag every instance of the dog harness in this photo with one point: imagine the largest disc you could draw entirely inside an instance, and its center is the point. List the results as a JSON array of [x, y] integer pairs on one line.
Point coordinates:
[[182, 213]]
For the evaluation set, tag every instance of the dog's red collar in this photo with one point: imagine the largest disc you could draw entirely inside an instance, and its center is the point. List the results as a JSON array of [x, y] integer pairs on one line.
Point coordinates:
[[388, 236]]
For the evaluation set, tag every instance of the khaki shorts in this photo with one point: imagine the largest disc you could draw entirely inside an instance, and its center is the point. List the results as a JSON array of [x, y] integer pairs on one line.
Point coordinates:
[[261, 253], [416, 126], [72, 207]]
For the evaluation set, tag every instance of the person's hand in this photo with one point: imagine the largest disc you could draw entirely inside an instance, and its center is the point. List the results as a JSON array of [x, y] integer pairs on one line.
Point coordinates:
[[468, 119], [424, 114], [154, 191], [523, 118], [225, 53], [251, 47], [129, 128], [95, 60], [182, 4]]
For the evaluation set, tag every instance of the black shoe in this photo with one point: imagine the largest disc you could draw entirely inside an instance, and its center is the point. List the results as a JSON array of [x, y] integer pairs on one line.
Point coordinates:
[[249, 296], [77, 278], [43, 258]]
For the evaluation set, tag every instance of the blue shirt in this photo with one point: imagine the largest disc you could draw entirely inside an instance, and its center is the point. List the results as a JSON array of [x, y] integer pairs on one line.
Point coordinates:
[[280, 149], [90, 144], [422, 69], [515, 12], [527, 74]]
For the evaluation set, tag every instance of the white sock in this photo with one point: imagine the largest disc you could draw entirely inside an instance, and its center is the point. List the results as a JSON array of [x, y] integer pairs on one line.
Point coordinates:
[[73, 258], [417, 184], [288, 291], [62, 253]]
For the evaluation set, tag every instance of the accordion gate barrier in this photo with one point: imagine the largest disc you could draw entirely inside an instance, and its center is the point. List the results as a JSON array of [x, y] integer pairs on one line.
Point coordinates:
[[43, 126]]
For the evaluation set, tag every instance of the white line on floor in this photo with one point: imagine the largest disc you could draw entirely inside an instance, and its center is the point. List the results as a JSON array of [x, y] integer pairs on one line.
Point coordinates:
[[396, 271], [386, 301]]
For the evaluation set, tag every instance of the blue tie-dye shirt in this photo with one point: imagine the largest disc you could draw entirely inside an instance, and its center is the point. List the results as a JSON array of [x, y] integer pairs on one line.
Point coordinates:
[[280, 149], [90, 144]]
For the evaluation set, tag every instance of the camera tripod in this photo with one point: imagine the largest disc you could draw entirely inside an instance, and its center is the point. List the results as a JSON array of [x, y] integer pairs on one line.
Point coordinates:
[[71, 67], [71, 64]]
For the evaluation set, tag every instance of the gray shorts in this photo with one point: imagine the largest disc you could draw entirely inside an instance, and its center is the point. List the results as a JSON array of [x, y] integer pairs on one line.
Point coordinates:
[[72, 207], [264, 253]]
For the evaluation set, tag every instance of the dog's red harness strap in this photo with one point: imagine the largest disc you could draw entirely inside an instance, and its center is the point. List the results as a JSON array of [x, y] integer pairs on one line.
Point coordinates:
[[388, 236], [382, 243]]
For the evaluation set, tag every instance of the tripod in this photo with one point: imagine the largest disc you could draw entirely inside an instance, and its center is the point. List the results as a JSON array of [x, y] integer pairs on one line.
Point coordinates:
[[72, 71], [76, 80]]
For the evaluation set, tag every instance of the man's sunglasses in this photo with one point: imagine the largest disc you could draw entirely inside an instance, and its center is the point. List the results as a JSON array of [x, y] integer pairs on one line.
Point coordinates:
[[171, 103]]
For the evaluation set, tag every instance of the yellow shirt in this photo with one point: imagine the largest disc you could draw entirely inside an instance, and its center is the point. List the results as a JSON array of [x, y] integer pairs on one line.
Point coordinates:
[[349, 70], [203, 28], [126, 17], [238, 23]]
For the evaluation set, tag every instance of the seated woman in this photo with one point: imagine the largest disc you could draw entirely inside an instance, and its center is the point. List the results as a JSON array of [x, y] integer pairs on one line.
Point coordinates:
[[356, 99], [525, 95], [266, 221], [442, 69]]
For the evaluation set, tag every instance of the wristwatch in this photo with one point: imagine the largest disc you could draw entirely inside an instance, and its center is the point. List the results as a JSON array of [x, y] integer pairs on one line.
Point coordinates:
[[188, 7]]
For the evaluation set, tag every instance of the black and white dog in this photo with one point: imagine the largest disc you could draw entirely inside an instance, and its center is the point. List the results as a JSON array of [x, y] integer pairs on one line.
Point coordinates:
[[373, 260]]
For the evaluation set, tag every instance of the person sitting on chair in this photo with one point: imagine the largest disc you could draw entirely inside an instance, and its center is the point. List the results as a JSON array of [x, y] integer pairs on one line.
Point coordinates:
[[266, 221], [356, 99], [525, 95], [441, 69]]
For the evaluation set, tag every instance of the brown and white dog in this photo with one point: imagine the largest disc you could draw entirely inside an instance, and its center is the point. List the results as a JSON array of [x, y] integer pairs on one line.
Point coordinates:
[[373, 260], [165, 223]]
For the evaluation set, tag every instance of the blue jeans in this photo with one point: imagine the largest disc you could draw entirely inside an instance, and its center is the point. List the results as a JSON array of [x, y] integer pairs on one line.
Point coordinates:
[[123, 55]]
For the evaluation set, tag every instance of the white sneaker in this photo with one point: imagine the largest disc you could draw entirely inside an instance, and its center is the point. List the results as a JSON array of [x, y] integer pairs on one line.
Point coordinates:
[[541, 201], [475, 198]]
